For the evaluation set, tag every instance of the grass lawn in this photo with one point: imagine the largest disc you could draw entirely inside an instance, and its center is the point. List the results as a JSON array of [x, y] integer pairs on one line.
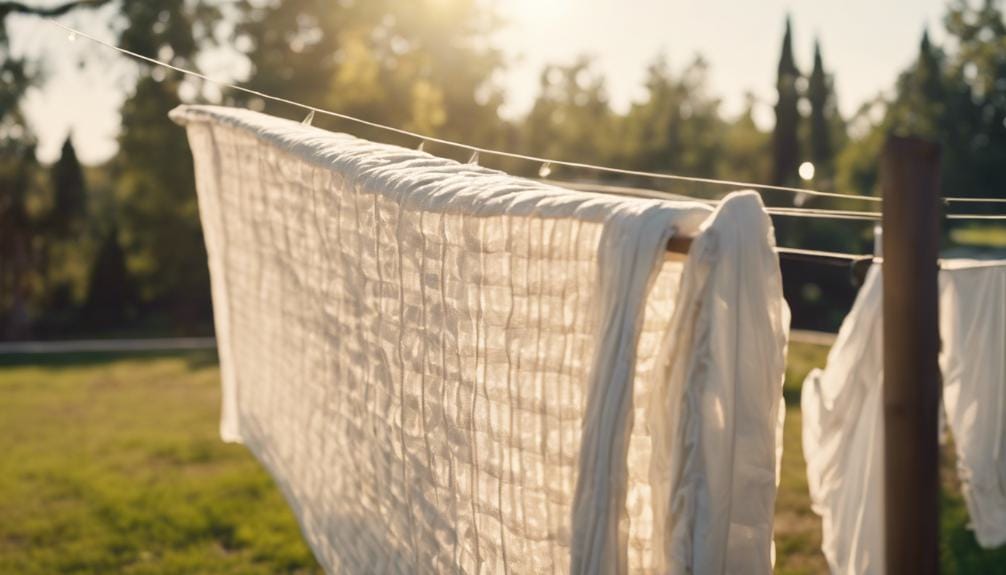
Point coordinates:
[[979, 236], [113, 464]]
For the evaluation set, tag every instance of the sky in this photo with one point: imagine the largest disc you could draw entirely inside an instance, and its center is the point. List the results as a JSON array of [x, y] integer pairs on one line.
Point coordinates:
[[865, 44]]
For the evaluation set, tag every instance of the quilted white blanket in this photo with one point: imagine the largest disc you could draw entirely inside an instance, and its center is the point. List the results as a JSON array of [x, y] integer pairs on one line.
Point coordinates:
[[448, 369]]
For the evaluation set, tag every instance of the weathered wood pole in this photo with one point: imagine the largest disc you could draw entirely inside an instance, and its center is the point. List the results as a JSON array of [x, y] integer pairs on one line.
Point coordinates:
[[910, 176]]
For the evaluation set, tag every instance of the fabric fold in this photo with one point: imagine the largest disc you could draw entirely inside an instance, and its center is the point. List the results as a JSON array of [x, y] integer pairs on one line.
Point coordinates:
[[716, 415]]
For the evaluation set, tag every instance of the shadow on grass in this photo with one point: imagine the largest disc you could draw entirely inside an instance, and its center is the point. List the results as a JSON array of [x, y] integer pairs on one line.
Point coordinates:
[[195, 359]]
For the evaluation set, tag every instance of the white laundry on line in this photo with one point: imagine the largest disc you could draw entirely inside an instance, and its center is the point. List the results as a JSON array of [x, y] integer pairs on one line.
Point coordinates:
[[842, 410], [450, 369]]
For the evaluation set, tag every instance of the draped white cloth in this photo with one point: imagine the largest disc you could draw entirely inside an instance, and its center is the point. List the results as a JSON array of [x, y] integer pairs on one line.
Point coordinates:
[[973, 361], [842, 410], [842, 413], [450, 369]]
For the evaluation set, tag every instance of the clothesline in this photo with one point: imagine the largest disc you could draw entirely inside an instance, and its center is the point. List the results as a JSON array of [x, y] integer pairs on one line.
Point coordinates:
[[775, 211], [657, 194], [976, 217], [477, 150], [975, 200]]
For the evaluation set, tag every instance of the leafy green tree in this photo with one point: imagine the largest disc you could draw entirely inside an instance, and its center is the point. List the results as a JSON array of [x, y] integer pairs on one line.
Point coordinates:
[[418, 65], [956, 97], [918, 108], [18, 255], [677, 128], [159, 223], [975, 73], [160, 220], [857, 164], [785, 137], [745, 147], [571, 117]]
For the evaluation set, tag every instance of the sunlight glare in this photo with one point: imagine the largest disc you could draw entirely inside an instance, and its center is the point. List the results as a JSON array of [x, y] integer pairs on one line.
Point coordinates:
[[807, 171]]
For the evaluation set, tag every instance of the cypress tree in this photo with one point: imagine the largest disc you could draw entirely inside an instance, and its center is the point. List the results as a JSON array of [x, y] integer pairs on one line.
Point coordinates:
[[929, 70], [822, 109], [785, 139], [919, 107], [70, 196]]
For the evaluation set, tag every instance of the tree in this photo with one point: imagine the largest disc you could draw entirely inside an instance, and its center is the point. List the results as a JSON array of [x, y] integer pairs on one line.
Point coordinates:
[[70, 196], [975, 86], [571, 117], [159, 220], [21, 229], [822, 112], [18, 257], [920, 106], [409, 64], [677, 128], [64, 245], [111, 294], [744, 147], [785, 137], [955, 96], [856, 169]]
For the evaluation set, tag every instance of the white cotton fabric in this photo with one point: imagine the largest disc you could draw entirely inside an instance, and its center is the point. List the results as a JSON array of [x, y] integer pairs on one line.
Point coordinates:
[[447, 369], [716, 411], [973, 361], [842, 411], [843, 441]]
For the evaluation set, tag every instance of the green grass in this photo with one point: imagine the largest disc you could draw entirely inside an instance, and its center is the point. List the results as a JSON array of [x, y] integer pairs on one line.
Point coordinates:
[[113, 465], [980, 236]]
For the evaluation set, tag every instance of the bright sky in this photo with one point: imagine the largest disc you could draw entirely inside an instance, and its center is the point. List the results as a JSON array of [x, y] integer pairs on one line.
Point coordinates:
[[865, 44]]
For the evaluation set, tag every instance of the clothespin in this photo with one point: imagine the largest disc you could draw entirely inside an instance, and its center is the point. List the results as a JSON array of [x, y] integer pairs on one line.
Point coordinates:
[[475, 158], [72, 37], [545, 170], [309, 119], [422, 146]]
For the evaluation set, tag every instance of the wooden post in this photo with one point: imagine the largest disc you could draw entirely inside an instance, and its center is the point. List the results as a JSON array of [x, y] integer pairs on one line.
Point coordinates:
[[910, 175]]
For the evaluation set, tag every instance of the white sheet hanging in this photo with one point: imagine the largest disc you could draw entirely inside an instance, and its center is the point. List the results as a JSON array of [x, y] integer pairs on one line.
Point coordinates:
[[843, 441], [446, 368], [973, 361], [842, 410]]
